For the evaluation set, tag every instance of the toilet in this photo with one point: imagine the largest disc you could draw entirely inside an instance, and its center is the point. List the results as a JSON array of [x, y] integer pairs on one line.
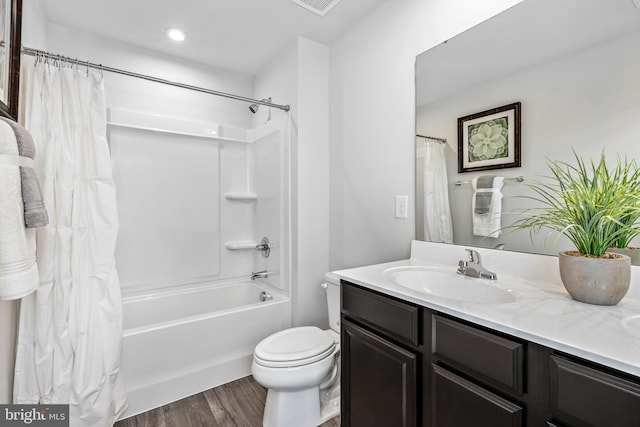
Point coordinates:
[[300, 367]]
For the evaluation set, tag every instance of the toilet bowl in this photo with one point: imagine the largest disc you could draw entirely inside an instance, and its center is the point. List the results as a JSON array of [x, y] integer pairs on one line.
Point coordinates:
[[300, 367]]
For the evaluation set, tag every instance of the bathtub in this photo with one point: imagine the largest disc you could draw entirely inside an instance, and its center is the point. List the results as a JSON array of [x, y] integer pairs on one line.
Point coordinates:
[[179, 342]]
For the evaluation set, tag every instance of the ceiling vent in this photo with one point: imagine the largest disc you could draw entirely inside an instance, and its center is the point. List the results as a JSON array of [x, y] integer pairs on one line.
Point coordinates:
[[321, 7]]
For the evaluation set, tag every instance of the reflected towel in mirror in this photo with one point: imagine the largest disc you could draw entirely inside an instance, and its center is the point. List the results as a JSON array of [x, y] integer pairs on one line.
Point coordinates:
[[483, 193], [486, 205]]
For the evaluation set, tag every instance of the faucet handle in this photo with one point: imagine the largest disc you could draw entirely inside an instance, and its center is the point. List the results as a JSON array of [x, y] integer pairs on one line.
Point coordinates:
[[462, 267], [474, 256]]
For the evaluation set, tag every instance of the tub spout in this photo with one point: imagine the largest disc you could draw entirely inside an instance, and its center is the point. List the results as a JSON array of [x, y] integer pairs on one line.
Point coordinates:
[[265, 296], [259, 275]]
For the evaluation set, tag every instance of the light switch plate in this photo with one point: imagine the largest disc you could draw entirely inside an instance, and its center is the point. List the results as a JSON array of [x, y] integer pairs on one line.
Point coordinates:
[[402, 203]]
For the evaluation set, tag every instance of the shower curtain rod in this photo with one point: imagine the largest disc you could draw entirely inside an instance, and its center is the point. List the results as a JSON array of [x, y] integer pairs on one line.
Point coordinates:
[[36, 52], [433, 138]]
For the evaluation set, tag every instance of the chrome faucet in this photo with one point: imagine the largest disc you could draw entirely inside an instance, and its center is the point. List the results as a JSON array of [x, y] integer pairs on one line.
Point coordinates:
[[473, 267], [259, 275]]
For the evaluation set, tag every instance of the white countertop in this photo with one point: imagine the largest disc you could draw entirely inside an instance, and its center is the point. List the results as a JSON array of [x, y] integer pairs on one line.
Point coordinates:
[[543, 311]]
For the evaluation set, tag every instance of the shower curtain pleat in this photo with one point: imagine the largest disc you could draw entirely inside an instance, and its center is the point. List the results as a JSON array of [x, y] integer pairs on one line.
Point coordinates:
[[437, 211], [69, 338]]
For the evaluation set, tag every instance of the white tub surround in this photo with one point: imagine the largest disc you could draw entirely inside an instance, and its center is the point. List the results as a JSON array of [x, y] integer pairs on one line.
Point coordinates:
[[195, 199], [542, 312], [182, 341]]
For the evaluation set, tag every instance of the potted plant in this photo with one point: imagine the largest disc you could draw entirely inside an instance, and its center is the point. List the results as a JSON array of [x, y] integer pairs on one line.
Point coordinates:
[[628, 227], [595, 207]]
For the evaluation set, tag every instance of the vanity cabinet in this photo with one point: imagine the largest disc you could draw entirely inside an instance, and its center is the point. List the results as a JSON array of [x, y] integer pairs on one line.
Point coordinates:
[[477, 370], [491, 358], [407, 365], [460, 402], [380, 356], [379, 380], [583, 394]]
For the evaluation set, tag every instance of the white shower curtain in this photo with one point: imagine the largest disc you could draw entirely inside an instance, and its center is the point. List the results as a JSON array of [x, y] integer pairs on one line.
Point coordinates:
[[69, 336], [437, 211]]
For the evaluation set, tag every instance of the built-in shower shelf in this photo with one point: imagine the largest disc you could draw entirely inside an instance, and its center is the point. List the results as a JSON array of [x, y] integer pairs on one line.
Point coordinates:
[[241, 196], [241, 245]]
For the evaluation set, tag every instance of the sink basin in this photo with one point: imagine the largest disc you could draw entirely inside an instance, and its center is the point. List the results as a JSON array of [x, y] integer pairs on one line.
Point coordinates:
[[446, 283]]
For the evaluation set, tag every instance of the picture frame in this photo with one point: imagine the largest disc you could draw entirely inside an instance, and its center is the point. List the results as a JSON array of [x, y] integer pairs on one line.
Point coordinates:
[[489, 139], [10, 45]]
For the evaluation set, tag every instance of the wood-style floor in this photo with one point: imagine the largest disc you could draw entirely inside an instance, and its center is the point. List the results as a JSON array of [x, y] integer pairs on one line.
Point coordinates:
[[236, 404]]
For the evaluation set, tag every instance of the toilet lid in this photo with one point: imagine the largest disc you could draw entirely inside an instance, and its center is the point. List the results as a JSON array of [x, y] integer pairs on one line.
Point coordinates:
[[294, 347]]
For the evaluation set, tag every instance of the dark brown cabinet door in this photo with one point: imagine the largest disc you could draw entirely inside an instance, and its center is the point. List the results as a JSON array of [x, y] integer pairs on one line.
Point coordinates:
[[378, 381], [584, 396], [458, 402]]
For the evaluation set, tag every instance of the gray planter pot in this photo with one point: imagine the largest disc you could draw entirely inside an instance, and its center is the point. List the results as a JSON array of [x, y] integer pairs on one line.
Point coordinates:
[[602, 281]]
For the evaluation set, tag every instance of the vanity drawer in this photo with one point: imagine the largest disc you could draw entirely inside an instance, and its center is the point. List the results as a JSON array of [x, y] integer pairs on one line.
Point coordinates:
[[395, 318], [490, 358], [584, 396], [458, 402]]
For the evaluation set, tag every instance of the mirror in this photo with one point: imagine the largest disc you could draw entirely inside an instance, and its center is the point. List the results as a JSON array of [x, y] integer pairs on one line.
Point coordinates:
[[574, 66], [10, 29]]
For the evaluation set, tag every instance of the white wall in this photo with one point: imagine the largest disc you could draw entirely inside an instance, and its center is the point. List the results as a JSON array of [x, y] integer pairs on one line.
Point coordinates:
[[586, 101], [372, 105], [34, 24], [298, 76], [313, 183], [155, 98]]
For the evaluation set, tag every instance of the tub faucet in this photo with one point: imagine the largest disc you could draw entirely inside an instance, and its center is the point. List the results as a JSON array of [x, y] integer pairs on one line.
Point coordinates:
[[259, 275], [473, 267]]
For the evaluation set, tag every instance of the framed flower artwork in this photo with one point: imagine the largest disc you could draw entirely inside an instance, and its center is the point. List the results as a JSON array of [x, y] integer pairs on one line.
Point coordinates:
[[489, 139]]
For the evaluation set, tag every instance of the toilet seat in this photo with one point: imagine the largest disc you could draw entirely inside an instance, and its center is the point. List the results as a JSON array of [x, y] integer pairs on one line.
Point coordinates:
[[294, 347]]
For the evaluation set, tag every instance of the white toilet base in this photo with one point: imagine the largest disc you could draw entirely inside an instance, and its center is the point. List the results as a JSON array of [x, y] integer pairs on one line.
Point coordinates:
[[330, 409], [292, 408]]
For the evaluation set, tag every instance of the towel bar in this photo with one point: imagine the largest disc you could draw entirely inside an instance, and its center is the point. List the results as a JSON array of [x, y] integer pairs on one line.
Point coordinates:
[[507, 178]]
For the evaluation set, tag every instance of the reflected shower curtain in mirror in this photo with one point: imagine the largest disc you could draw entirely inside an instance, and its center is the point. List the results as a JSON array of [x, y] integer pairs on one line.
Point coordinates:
[[437, 211], [69, 336]]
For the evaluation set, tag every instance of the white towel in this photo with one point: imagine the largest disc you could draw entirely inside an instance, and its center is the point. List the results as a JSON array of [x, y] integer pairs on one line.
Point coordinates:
[[489, 224], [18, 268]]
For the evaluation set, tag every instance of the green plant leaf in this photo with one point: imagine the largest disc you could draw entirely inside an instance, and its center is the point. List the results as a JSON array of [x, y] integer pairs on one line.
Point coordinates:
[[595, 206]]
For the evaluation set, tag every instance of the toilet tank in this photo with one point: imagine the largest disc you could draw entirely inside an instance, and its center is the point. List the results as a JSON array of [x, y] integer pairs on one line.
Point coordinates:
[[332, 287]]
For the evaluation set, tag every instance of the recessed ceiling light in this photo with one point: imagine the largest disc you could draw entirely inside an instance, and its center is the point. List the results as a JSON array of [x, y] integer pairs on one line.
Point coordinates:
[[176, 34]]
